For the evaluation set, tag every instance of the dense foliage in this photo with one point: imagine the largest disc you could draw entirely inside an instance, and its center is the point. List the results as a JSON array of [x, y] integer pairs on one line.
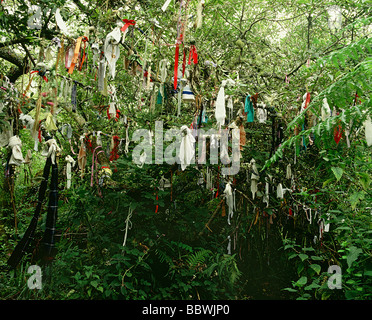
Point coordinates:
[[127, 237]]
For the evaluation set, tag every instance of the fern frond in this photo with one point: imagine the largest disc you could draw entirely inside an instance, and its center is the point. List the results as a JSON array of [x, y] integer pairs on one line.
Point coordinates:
[[198, 257]]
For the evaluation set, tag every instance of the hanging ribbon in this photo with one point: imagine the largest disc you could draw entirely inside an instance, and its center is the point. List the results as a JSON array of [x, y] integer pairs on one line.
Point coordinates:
[[176, 65], [187, 151], [51, 149], [15, 145], [326, 110], [368, 130], [70, 163], [73, 96], [248, 109], [279, 191], [82, 157], [127, 23], [289, 171], [157, 198], [220, 112], [49, 123], [84, 40], [229, 197], [193, 55], [337, 133], [76, 55], [114, 152], [199, 14], [112, 50], [306, 100]]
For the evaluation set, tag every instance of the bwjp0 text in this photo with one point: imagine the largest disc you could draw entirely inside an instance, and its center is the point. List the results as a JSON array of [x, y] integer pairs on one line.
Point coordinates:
[[190, 309]]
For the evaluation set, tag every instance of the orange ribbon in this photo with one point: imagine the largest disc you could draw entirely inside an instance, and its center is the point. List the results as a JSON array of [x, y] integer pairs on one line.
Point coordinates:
[[76, 55], [85, 39]]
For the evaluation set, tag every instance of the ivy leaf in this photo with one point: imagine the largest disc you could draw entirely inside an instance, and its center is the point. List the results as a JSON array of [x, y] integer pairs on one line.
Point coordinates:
[[338, 172], [353, 255]]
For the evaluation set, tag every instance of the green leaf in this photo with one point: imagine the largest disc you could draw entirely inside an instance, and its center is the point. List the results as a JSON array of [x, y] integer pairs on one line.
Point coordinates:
[[353, 255], [355, 198], [337, 171], [316, 267], [364, 180], [303, 256], [316, 258], [301, 282]]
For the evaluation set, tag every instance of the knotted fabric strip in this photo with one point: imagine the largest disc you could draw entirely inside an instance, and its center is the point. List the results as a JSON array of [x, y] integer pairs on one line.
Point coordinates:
[[70, 162], [112, 50], [187, 149], [193, 56], [15, 145], [127, 23], [50, 149]]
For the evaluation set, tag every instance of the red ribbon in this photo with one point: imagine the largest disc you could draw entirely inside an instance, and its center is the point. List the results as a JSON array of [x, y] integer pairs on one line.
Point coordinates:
[[40, 74], [157, 206], [356, 99], [114, 152], [193, 55], [127, 24], [176, 65], [337, 133]]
